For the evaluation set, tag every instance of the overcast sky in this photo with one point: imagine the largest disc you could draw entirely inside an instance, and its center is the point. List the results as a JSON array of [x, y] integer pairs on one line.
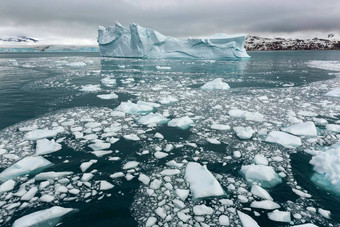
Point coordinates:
[[76, 21]]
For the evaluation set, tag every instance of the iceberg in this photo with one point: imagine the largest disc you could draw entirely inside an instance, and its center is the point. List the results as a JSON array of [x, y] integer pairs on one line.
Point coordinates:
[[138, 42]]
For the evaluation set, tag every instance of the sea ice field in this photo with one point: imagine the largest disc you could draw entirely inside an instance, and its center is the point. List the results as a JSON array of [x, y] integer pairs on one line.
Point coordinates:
[[93, 141]]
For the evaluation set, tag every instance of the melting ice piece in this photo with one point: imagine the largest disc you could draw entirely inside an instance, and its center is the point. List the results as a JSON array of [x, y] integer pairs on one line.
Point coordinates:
[[246, 220], [152, 118], [45, 146], [265, 175], [108, 96], [48, 217], [244, 132], [26, 165], [284, 139], [327, 168], [302, 129], [90, 88], [202, 182], [216, 84], [182, 122], [279, 216], [40, 134], [136, 41], [335, 92], [133, 108]]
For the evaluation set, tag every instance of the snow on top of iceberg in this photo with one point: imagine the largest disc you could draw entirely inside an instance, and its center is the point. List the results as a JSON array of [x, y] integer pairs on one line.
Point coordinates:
[[139, 42]]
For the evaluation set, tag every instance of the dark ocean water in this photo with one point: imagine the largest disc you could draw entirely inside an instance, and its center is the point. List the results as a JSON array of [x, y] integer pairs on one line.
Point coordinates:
[[42, 84]]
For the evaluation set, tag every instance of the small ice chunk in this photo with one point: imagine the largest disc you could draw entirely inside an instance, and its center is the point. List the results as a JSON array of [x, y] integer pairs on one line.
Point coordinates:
[[48, 217], [182, 193], [170, 172], [45, 146], [283, 139], [183, 217], [220, 127], [333, 128], [160, 211], [7, 186], [90, 88], [279, 216], [163, 67], [108, 96], [265, 204], [132, 137], [202, 210], [213, 141], [117, 175], [30, 194], [216, 84], [29, 164], [335, 92], [202, 182], [182, 122], [152, 118], [100, 146], [244, 132], [223, 220], [76, 64], [85, 165], [246, 220], [259, 159], [160, 155], [108, 81], [265, 175], [260, 192], [324, 213], [132, 108], [144, 179], [51, 175], [101, 153], [167, 100], [104, 185], [131, 165], [301, 193], [151, 222], [86, 177], [302, 129], [47, 198], [40, 134]]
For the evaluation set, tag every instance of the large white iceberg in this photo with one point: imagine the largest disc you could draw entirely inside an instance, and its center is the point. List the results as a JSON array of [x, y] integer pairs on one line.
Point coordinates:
[[138, 42]]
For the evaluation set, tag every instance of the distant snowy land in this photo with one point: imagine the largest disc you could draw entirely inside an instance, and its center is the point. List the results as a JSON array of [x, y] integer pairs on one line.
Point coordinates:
[[253, 43]]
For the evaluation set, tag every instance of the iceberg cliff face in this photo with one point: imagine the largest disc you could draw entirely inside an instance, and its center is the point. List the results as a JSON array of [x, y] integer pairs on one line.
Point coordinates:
[[138, 42]]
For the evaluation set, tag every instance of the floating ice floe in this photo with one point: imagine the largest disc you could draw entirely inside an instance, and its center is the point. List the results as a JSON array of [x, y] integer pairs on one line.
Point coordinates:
[[244, 132], [216, 84], [45, 146], [133, 108], [108, 81], [108, 96], [327, 168], [7, 186], [29, 164], [90, 88], [283, 139], [48, 217], [202, 182], [302, 129], [40, 134], [260, 192], [220, 127], [249, 116], [279, 216], [152, 119], [246, 220], [265, 175], [333, 128], [76, 64], [265, 204], [182, 122], [335, 92]]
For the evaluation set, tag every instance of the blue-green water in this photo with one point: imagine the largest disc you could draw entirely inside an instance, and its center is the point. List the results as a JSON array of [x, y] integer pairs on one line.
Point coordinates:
[[41, 89]]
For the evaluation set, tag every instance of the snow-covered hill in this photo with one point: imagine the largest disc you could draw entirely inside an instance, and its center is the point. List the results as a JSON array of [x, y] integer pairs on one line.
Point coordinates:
[[332, 42]]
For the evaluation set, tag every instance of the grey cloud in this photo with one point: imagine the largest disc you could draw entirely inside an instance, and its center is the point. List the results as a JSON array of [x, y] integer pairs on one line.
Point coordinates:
[[80, 18]]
